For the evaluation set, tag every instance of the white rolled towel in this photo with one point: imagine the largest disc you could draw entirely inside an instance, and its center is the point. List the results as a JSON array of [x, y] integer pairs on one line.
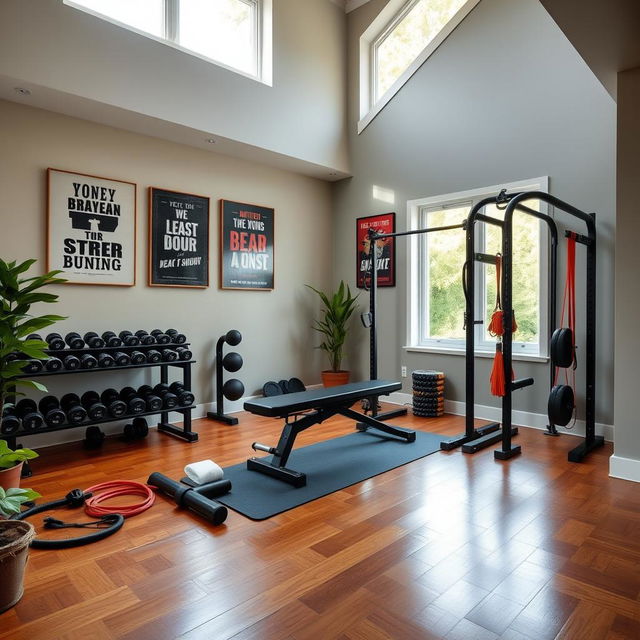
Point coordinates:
[[203, 471]]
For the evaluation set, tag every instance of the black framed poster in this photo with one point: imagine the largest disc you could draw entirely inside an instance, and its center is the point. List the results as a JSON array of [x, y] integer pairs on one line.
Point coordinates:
[[246, 246], [91, 228], [384, 250], [178, 239]]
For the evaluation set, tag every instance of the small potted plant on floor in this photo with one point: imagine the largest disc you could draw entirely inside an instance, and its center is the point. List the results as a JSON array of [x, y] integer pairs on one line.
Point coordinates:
[[11, 464], [338, 307], [15, 537]]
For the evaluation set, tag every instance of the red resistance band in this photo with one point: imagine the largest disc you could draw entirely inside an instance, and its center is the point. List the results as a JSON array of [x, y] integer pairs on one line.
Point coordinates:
[[569, 304], [115, 489]]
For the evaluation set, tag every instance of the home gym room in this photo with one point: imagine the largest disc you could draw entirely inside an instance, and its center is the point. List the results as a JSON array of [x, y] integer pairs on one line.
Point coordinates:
[[319, 333]]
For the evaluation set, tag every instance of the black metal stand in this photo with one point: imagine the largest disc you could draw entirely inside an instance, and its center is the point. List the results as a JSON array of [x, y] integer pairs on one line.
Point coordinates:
[[219, 413]]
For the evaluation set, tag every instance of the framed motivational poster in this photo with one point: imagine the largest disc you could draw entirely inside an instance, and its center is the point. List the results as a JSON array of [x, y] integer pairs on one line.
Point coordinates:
[[178, 239], [246, 246], [91, 228], [384, 251]]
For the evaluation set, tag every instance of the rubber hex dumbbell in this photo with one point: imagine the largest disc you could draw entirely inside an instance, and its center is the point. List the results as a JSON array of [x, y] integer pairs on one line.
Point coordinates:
[[128, 339], [55, 342], [49, 407], [145, 338], [169, 399], [137, 357], [32, 366], [111, 399], [135, 404], [185, 397], [93, 438], [53, 364], [27, 411], [154, 402], [72, 406], [74, 340], [111, 339], [93, 340], [176, 337], [10, 422], [87, 361], [161, 337], [95, 409], [153, 356], [184, 353], [137, 430], [71, 363], [122, 359], [169, 355], [106, 360]]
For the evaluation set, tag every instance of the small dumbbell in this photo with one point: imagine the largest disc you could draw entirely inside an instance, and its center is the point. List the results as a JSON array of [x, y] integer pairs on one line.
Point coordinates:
[[10, 422], [27, 411], [95, 409], [137, 430], [72, 406], [55, 342], [93, 438], [111, 339], [74, 340], [105, 360], [137, 357], [122, 359], [144, 337], [93, 340], [169, 399], [35, 336], [184, 353], [32, 366], [53, 364], [161, 337], [87, 361], [154, 402], [176, 338], [111, 399], [153, 356], [128, 339], [49, 407], [169, 355], [135, 404], [71, 363], [185, 397]]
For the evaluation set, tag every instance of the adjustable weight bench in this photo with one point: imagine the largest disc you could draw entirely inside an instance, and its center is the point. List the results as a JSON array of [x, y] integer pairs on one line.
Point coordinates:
[[325, 403]]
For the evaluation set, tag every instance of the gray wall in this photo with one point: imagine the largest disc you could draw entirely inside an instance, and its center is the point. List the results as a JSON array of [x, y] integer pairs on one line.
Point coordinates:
[[505, 98]]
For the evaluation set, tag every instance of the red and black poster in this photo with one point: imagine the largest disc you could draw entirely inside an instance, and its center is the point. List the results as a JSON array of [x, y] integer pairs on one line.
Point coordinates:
[[385, 250], [246, 246]]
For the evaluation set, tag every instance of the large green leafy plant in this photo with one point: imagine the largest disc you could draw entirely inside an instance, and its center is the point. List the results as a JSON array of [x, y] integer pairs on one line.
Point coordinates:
[[17, 295], [10, 458], [338, 307], [12, 499]]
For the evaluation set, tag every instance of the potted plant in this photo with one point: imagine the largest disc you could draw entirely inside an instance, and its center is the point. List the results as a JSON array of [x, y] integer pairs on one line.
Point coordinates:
[[15, 537], [11, 464], [338, 307]]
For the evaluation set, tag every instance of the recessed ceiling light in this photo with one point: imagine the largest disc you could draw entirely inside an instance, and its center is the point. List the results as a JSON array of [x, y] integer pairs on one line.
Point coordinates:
[[22, 91], [211, 140]]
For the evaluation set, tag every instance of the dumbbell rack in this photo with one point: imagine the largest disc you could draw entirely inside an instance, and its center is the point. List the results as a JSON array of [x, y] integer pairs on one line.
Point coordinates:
[[164, 425]]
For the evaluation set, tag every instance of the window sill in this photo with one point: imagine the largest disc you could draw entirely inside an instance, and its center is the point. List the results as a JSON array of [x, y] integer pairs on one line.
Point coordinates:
[[525, 357]]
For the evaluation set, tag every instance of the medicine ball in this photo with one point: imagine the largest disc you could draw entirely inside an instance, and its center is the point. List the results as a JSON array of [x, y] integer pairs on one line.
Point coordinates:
[[233, 337], [562, 347], [561, 405], [232, 361], [233, 389]]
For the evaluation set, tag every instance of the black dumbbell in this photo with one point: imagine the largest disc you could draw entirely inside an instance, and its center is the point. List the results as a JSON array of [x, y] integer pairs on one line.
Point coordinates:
[[72, 406], [71, 363], [122, 359], [93, 438], [106, 360], [184, 353], [27, 411], [144, 337], [74, 340], [35, 336], [111, 339], [135, 404], [169, 355], [176, 338], [87, 361], [153, 356], [128, 339], [32, 366], [137, 357], [49, 407], [53, 364], [95, 409], [169, 399], [137, 430], [111, 399], [161, 337], [10, 422], [93, 340], [185, 397], [55, 342], [154, 402]]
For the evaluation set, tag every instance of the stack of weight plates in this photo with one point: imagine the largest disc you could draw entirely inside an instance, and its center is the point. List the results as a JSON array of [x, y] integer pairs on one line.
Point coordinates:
[[428, 393]]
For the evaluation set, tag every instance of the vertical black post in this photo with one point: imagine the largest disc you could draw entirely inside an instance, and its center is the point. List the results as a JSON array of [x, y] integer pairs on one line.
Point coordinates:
[[219, 395], [469, 319], [553, 320], [590, 428], [373, 288]]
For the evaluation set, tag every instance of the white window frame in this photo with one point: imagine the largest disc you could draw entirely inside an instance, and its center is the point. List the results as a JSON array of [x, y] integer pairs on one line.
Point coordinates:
[[386, 20], [170, 37], [417, 275]]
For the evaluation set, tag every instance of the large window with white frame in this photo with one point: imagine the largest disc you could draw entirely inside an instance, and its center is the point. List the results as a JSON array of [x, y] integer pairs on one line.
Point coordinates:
[[436, 298], [228, 32]]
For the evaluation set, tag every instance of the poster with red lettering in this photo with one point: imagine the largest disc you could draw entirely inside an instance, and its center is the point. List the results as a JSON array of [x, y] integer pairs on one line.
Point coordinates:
[[246, 246], [384, 249]]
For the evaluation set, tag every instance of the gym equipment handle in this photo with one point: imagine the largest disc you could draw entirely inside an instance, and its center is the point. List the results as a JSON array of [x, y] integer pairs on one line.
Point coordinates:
[[256, 446], [521, 383]]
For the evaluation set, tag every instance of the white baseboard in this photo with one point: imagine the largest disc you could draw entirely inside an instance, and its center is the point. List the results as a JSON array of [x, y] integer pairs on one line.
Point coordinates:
[[521, 418], [624, 468]]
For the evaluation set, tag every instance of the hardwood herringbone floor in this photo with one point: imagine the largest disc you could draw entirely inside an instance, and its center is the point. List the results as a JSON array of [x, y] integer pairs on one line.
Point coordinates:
[[451, 546]]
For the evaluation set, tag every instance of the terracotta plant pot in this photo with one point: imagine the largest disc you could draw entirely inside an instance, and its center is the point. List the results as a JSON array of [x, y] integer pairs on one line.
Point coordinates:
[[15, 537], [10, 478], [335, 378]]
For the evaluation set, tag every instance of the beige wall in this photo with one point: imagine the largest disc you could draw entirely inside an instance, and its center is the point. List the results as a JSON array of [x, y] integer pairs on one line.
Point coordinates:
[[275, 325]]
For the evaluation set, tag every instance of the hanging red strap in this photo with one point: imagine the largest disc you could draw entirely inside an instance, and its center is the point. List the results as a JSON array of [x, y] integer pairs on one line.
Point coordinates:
[[569, 302]]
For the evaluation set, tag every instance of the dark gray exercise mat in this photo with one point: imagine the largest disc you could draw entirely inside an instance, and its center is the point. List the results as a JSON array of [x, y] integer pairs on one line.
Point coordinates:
[[330, 466]]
